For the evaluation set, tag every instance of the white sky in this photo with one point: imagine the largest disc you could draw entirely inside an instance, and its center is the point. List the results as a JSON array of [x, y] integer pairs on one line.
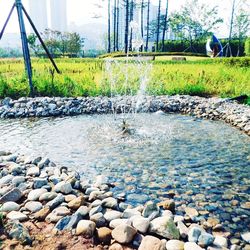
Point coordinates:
[[81, 11]]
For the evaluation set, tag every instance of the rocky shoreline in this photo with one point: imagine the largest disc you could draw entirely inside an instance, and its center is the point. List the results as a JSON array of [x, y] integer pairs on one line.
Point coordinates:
[[45, 206], [226, 110]]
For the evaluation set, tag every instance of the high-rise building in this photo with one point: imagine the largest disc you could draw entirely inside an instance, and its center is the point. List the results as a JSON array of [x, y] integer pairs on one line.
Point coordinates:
[[38, 14], [58, 15]]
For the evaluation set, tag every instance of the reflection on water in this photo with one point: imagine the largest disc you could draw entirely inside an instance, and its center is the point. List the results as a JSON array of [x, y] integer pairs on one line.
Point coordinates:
[[209, 160]]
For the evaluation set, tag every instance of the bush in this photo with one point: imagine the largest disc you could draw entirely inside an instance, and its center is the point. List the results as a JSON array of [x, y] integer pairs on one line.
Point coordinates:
[[247, 47], [234, 61]]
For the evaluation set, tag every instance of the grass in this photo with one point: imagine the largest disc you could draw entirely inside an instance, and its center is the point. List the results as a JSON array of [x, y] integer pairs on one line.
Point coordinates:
[[93, 77]]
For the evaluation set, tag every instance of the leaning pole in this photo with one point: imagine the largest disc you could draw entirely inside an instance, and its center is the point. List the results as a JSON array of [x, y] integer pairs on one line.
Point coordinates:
[[25, 47]]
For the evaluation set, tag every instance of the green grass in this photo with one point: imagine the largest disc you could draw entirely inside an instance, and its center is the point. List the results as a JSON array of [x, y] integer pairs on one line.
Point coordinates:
[[89, 77]]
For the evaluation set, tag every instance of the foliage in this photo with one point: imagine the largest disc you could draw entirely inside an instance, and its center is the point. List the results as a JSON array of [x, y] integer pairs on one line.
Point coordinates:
[[58, 43], [227, 77], [247, 46], [10, 53]]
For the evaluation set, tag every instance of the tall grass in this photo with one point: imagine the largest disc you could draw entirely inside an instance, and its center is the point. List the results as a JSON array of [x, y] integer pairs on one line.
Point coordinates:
[[88, 77]]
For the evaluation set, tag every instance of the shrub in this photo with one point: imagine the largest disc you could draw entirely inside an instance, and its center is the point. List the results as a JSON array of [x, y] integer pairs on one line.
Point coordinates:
[[247, 47]]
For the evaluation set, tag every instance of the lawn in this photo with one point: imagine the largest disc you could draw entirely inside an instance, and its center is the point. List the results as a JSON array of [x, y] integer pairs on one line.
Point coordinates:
[[93, 77]]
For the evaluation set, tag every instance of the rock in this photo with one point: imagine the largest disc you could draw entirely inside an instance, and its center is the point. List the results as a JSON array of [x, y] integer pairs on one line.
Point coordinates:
[[9, 206], [55, 202], [83, 211], [246, 237], [191, 212], [110, 202], [15, 169], [116, 222], [205, 239], [43, 163], [48, 196], [33, 206], [129, 212], [141, 224], [14, 215], [6, 179], [18, 232], [150, 210], [39, 182], [182, 229], [220, 241], [33, 171], [57, 214], [76, 203], [42, 214], [194, 234], [123, 233], [192, 246], [167, 205], [63, 187], [104, 235], [95, 210], [18, 180], [74, 219], [90, 190], [35, 194], [245, 205], [165, 227], [86, 228], [150, 243], [98, 219], [13, 195], [175, 245], [111, 215], [62, 223], [70, 197]]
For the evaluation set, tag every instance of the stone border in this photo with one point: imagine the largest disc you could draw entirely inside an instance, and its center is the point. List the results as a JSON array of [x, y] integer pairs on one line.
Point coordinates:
[[231, 112], [36, 190]]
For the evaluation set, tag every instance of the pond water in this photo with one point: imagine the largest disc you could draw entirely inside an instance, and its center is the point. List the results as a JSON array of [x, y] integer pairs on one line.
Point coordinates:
[[207, 163]]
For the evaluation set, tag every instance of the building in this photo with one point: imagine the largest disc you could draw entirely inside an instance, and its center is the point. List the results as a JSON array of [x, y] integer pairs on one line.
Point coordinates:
[[58, 15], [39, 14]]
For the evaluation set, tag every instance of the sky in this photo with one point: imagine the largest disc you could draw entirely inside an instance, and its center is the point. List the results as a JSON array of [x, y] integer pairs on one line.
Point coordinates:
[[82, 12]]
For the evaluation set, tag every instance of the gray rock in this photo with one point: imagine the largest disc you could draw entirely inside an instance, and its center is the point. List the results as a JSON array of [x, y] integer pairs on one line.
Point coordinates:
[[39, 182], [175, 245], [63, 187], [35, 194], [205, 239], [246, 237], [129, 212], [13, 195], [95, 210], [150, 243], [55, 202], [110, 202], [111, 215], [74, 219], [18, 180], [83, 211], [194, 234], [57, 214], [99, 219], [15, 169], [182, 229], [96, 203], [9, 206], [86, 228], [62, 223], [140, 223], [14, 215], [220, 241], [6, 179], [90, 190], [33, 171], [48, 196], [165, 227], [192, 246], [33, 206], [43, 163], [123, 233], [18, 232], [116, 222], [151, 210]]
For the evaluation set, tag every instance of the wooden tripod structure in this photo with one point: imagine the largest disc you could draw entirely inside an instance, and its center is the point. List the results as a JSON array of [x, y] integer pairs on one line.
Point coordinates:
[[26, 54]]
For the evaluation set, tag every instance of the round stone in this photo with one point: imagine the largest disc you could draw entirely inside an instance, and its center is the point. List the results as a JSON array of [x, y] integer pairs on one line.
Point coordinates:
[[33, 206], [150, 243], [9, 206], [63, 187], [86, 228], [35, 194], [123, 233], [14, 215], [175, 245]]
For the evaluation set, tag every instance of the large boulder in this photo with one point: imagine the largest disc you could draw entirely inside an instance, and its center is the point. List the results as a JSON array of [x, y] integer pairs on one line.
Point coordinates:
[[86, 228], [123, 233], [151, 243]]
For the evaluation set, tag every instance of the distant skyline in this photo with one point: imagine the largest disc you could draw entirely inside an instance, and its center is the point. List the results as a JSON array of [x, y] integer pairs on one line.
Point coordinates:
[[81, 12]]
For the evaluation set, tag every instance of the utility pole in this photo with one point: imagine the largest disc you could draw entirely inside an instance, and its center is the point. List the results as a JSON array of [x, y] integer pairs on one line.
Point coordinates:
[[25, 47]]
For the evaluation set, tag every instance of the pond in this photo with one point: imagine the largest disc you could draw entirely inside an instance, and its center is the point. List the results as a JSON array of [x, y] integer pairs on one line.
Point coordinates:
[[206, 163]]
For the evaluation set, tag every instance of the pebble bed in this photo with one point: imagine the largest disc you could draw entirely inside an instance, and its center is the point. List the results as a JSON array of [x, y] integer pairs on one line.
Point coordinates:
[[231, 112], [37, 190]]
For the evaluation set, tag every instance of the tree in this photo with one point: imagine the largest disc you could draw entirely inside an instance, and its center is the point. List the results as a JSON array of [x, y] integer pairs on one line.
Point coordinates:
[[118, 24], [158, 26], [165, 26], [194, 23], [109, 26], [148, 16], [126, 25]]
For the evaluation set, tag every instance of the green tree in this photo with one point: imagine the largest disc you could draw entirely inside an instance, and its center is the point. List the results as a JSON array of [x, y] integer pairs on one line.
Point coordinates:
[[247, 47]]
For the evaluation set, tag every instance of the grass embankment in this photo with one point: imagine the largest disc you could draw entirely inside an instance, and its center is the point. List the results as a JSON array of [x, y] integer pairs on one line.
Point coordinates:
[[88, 77]]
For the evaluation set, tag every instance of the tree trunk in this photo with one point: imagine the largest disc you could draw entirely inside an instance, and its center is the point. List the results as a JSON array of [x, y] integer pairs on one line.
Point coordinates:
[[109, 26], [165, 27], [158, 26], [147, 38], [131, 17], [231, 29], [114, 32], [117, 24], [142, 18], [126, 26]]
